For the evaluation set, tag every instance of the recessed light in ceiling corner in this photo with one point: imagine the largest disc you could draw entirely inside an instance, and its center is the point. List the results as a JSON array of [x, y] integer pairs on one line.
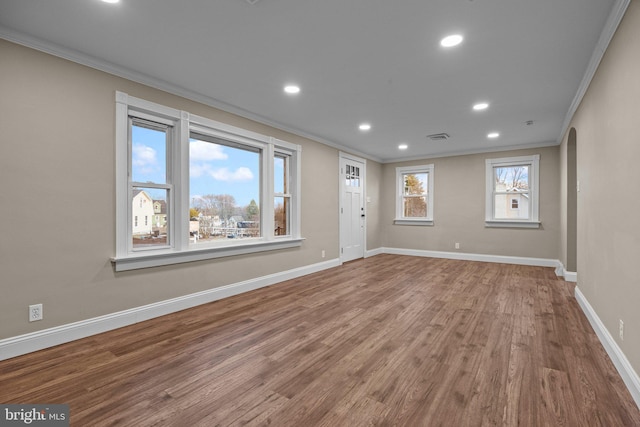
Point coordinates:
[[403, 147], [452, 40], [480, 106], [364, 126], [493, 135]]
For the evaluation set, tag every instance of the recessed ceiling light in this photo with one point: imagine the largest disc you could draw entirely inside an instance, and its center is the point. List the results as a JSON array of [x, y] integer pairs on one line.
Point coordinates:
[[403, 146], [493, 135], [364, 126], [481, 106], [452, 40], [111, 1], [292, 89]]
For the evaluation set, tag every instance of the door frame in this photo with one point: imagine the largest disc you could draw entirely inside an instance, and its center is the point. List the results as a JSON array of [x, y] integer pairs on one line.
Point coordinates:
[[341, 188]]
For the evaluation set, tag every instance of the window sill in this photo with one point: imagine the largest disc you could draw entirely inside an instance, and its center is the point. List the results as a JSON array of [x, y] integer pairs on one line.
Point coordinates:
[[512, 224], [159, 258], [423, 222]]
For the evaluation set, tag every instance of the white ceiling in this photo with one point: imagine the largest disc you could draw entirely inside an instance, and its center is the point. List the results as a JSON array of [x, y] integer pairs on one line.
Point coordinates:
[[377, 61]]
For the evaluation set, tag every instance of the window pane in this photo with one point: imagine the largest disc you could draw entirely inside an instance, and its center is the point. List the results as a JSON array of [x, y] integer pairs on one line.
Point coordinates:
[[150, 217], [415, 184], [414, 207], [148, 153], [224, 191], [352, 176], [508, 206], [511, 178], [281, 216], [280, 175]]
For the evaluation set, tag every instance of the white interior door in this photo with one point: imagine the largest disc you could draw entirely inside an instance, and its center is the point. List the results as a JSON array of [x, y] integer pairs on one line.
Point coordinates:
[[352, 211]]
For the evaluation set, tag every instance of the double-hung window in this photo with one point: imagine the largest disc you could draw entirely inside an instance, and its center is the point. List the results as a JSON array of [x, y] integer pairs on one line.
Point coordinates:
[[512, 186], [210, 189], [414, 195]]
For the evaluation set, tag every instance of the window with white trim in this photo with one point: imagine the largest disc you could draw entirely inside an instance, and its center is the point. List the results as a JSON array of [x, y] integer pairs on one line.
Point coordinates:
[[220, 190], [414, 195], [512, 186]]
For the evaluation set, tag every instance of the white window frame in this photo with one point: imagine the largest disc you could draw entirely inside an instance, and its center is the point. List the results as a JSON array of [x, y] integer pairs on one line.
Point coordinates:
[[533, 162], [400, 172], [179, 249]]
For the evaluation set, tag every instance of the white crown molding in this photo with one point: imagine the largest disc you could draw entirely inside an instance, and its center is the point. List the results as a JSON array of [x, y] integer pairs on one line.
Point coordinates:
[[23, 344], [613, 21], [473, 151], [134, 76], [620, 361]]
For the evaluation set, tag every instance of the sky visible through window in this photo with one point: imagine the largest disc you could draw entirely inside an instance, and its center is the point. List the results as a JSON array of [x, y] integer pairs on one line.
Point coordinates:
[[513, 177], [213, 168]]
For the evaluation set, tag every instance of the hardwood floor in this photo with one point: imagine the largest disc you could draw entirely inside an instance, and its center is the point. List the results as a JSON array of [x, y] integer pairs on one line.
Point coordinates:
[[388, 340]]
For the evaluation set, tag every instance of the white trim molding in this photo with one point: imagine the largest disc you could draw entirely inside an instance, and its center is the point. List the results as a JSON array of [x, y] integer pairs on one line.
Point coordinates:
[[179, 127], [570, 276], [620, 361], [428, 170], [373, 252], [532, 193], [27, 343], [147, 80], [464, 256], [613, 21]]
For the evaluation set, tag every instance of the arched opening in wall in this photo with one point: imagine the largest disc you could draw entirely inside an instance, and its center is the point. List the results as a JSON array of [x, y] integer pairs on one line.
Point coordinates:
[[572, 202]]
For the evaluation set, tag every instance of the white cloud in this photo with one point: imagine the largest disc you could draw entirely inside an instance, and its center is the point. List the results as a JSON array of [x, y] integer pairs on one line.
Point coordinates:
[[240, 174], [144, 158], [196, 170], [205, 151]]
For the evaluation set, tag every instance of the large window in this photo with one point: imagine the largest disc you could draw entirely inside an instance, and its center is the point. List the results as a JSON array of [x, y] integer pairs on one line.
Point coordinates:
[[224, 190], [512, 192], [414, 195], [189, 188]]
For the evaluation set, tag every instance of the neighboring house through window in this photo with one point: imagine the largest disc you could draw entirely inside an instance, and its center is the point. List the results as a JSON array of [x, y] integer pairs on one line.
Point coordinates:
[[214, 190], [512, 186], [414, 195]]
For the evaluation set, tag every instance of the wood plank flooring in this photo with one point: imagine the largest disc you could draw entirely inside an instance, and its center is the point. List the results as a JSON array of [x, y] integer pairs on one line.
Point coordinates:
[[386, 341]]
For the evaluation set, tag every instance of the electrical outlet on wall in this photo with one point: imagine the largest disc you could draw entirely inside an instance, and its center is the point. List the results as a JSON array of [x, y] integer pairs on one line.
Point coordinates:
[[457, 245], [621, 330], [35, 312]]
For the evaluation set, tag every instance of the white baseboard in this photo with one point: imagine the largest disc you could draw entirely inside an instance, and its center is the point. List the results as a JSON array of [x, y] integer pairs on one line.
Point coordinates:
[[560, 271], [541, 262], [373, 252], [570, 276], [626, 371], [27, 343]]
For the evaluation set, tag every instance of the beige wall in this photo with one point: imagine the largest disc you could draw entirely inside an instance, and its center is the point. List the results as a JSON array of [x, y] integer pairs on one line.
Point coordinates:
[[608, 151], [459, 209], [57, 206], [374, 175]]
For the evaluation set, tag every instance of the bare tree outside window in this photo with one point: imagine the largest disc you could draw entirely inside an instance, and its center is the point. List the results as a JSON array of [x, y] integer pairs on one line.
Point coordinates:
[[224, 184], [511, 192], [415, 195]]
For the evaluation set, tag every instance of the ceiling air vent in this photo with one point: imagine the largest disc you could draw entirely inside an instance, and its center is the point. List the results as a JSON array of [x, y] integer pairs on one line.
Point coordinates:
[[252, 1], [438, 136]]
